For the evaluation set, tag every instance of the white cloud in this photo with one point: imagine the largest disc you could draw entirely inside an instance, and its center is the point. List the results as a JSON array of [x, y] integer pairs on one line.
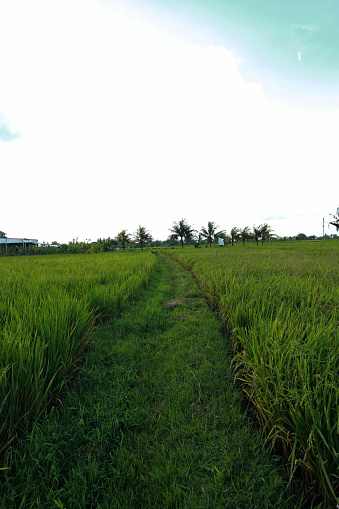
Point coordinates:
[[123, 124], [310, 28]]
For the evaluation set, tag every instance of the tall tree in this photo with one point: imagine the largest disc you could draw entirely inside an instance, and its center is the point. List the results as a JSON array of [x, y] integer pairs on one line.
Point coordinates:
[[183, 231], [335, 221], [210, 233], [266, 233], [234, 234], [123, 238], [257, 232], [142, 236], [245, 234]]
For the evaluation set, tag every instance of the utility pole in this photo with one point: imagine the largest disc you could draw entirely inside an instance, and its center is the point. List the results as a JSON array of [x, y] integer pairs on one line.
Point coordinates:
[[323, 232]]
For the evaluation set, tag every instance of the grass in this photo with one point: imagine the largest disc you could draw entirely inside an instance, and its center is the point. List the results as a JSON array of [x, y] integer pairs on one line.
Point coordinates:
[[48, 310], [152, 420], [280, 304]]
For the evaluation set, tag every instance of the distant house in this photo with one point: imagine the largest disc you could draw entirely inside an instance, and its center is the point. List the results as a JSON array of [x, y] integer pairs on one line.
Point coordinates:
[[45, 244], [14, 243]]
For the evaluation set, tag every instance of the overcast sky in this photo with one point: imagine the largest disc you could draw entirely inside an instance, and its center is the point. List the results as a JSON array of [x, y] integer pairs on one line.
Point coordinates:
[[115, 114]]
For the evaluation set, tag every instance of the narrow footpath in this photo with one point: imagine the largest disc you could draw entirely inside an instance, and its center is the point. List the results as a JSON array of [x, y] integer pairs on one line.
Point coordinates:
[[153, 420]]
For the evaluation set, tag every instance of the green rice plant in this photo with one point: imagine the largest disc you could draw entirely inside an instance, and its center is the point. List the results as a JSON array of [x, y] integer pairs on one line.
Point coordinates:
[[48, 309], [281, 306]]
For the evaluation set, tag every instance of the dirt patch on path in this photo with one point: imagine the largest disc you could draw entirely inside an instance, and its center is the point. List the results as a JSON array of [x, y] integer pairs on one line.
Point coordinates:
[[170, 304]]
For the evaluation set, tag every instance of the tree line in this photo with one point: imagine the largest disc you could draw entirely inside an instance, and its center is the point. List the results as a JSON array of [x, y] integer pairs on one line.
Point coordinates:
[[182, 232]]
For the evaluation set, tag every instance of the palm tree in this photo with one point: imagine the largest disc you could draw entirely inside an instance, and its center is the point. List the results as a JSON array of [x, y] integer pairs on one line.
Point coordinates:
[[123, 238], [210, 232], [198, 239], [266, 233], [245, 234], [183, 231], [335, 221], [142, 236], [234, 234], [257, 232]]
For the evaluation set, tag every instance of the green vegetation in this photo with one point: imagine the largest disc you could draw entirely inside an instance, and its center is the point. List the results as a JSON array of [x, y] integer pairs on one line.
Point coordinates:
[[210, 233], [142, 236], [152, 420], [266, 233], [48, 307], [280, 305], [182, 231], [123, 238], [234, 234], [245, 234]]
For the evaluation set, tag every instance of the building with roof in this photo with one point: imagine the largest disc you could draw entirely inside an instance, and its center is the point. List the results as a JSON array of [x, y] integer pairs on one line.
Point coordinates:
[[13, 244]]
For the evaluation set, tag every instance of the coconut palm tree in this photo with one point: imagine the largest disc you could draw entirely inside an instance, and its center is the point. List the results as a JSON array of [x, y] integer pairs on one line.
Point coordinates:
[[123, 238], [234, 234], [266, 233], [210, 233], [334, 222], [245, 234], [142, 236], [183, 231], [257, 232]]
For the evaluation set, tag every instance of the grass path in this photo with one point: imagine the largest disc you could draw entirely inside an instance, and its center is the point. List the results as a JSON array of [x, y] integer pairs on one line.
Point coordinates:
[[152, 420]]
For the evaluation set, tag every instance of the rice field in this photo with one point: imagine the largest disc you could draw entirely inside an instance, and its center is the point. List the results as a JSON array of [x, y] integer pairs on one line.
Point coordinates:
[[49, 307], [152, 419], [279, 304]]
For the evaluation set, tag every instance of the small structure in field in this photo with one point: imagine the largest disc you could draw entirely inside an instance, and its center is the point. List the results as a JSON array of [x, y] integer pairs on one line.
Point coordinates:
[[15, 243]]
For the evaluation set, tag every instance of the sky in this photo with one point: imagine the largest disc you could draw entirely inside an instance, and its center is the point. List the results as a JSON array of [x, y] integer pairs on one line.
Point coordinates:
[[115, 114]]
